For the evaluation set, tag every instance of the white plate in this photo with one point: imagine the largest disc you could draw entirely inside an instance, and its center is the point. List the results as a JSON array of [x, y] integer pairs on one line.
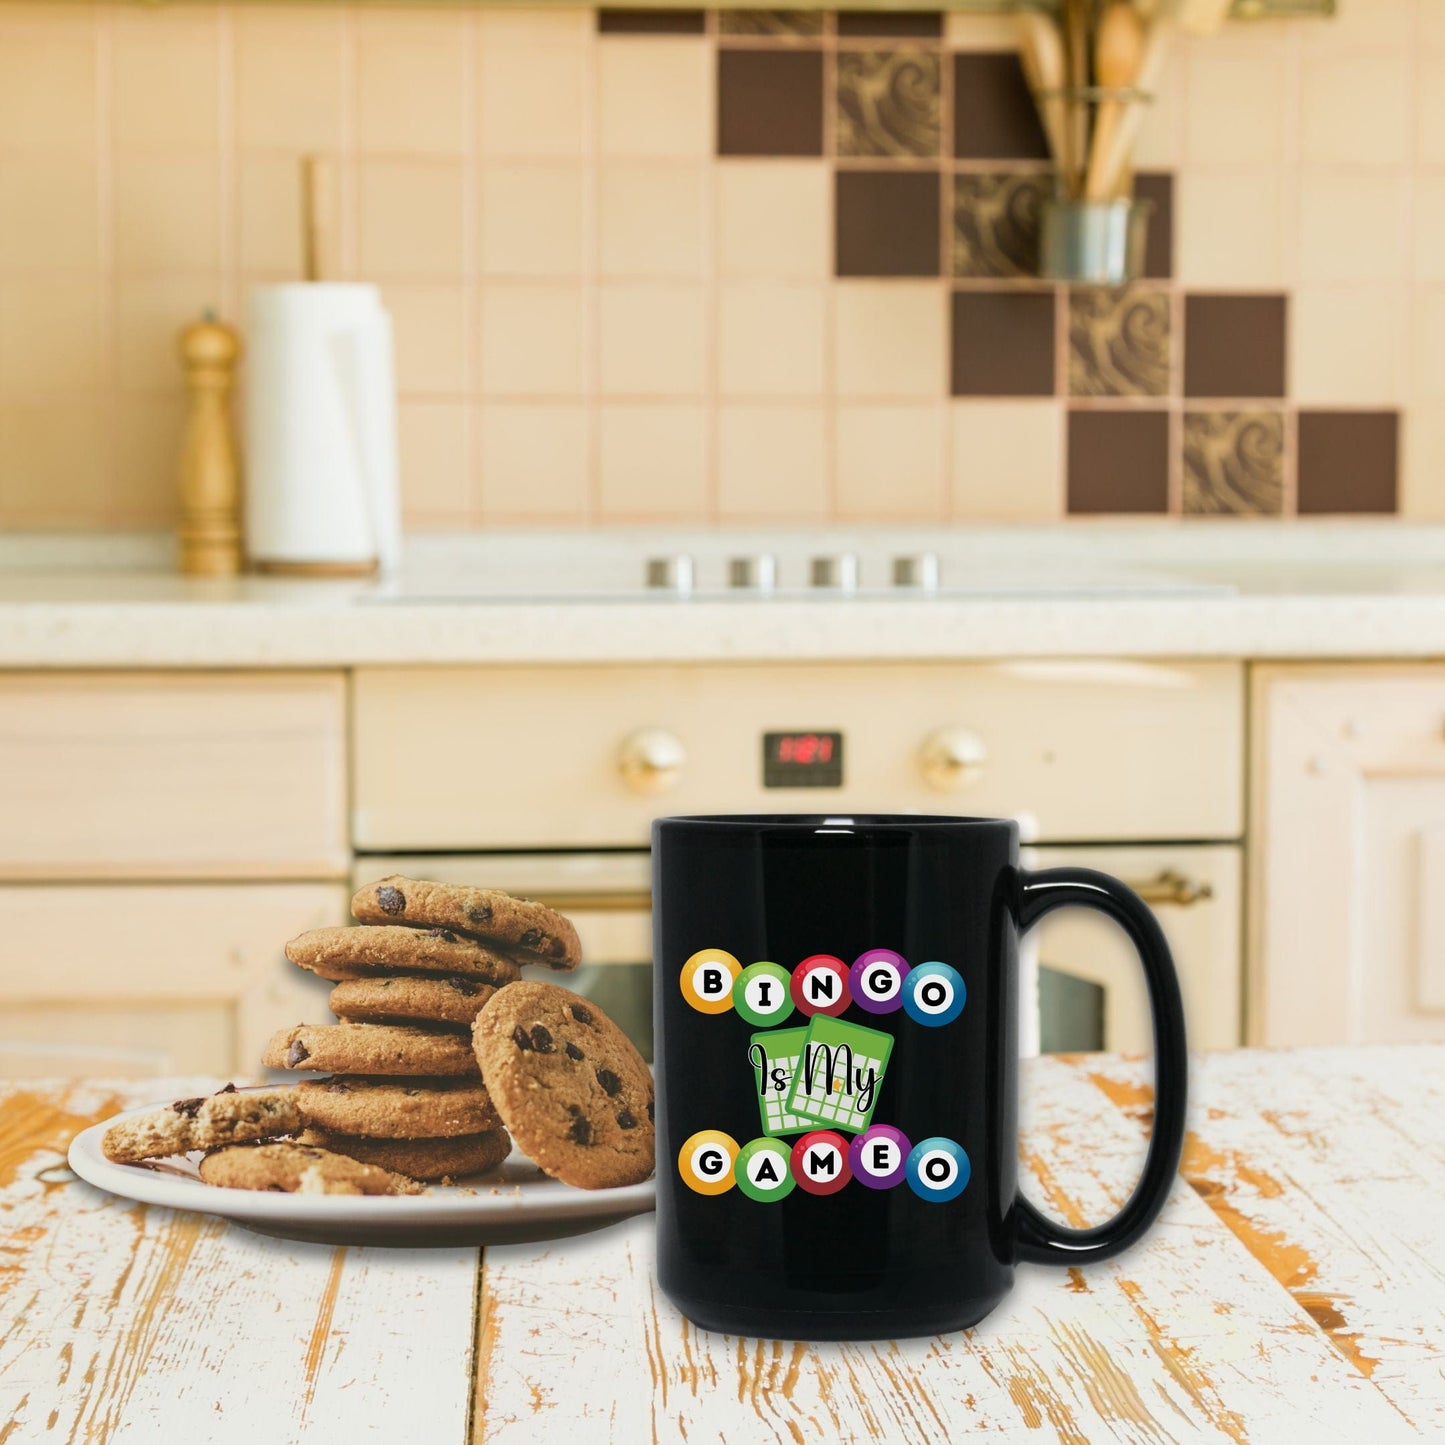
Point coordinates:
[[513, 1204]]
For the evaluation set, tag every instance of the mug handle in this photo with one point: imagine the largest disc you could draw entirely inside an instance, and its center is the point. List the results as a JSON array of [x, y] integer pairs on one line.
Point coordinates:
[[1039, 1240]]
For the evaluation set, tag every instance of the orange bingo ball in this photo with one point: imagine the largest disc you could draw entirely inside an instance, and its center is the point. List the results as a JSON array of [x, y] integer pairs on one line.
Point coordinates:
[[707, 980], [706, 1162]]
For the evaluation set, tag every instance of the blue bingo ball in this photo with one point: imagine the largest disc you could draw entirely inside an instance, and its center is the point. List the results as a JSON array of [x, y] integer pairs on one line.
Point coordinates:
[[933, 994], [938, 1170]]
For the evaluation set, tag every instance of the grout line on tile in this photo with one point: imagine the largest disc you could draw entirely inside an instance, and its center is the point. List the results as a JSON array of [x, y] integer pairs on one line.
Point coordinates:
[[105, 157], [229, 220], [591, 339], [471, 266]]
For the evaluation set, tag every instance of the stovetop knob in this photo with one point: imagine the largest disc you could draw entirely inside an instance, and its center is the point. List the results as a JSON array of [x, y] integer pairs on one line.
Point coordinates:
[[837, 573], [916, 569], [670, 574]]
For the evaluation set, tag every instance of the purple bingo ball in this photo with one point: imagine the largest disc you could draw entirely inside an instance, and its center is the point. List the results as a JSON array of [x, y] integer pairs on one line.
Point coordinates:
[[876, 980], [878, 1157]]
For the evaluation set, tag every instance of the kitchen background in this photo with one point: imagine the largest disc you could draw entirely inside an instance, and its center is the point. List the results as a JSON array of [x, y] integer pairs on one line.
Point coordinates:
[[732, 267]]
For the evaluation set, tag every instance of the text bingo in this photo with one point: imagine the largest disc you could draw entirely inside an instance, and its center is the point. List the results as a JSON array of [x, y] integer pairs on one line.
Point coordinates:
[[879, 982]]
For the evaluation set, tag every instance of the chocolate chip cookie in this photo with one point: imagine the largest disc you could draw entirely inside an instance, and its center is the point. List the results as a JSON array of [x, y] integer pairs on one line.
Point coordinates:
[[299, 1168], [569, 1085], [348, 1048], [233, 1116], [534, 932], [362, 952], [397, 1108], [453, 1158], [453, 1002]]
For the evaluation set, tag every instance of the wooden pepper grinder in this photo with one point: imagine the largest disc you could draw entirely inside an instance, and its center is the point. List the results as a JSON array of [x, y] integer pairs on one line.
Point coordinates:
[[210, 527]]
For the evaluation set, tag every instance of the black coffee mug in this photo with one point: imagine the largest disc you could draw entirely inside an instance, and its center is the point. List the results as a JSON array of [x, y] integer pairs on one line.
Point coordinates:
[[836, 1004]]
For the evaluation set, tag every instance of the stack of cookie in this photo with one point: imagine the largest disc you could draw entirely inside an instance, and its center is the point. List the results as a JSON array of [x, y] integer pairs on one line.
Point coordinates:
[[411, 976], [439, 1052]]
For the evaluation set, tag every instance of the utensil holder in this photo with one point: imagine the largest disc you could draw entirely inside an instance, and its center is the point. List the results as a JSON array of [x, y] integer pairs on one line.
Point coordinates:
[[1098, 243]]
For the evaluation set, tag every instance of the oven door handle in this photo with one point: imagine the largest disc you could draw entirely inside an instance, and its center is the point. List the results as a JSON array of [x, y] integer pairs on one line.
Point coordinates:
[[637, 900], [1169, 886]]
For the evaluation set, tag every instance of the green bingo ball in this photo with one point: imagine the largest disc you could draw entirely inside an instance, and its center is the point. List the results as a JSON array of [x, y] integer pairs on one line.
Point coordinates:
[[762, 1170], [760, 994]]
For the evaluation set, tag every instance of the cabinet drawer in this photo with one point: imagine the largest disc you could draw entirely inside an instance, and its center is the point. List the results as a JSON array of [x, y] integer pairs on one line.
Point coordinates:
[[180, 776], [458, 758], [189, 976]]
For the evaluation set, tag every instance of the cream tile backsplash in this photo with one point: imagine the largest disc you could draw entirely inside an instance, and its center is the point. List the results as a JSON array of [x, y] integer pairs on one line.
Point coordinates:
[[597, 318]]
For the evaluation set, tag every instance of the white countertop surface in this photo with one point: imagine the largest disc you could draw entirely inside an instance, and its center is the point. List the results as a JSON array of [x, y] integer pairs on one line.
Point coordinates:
[[1206, 590]]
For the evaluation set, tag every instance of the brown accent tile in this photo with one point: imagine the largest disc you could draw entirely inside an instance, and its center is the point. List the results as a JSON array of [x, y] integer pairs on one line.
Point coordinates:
[[887, 223], [889, 103], [993, 113], [1118, 341], [770, 103], [996, 224], [650, 22], [1348, 461], [1118, 461], [1234, 346], [1158, 188], [1233, 463], [1003, 343], [887, 23], [783, 24]]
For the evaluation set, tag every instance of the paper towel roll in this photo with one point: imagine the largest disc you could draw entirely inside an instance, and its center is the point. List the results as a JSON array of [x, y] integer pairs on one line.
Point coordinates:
[[321, 467]]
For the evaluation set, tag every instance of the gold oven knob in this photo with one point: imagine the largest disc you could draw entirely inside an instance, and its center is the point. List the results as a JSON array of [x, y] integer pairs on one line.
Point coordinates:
[[651, 760], [952, 758]]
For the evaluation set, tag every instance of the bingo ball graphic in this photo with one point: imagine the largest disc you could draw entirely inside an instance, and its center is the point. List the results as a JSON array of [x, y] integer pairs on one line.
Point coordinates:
[[707, 980], [938, 1170], [879, 1156], [876, 980], [820, 1162], [820, 985], [706, 1162], [764, 1170], [933, 994], [761, 994]]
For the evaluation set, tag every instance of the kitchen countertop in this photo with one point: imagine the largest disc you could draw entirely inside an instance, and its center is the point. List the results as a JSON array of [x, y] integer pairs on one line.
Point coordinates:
[[1292, 1290], [1236, 590]]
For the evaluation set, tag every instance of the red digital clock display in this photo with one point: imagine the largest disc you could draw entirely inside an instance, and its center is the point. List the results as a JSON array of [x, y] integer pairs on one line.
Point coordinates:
[[803, 760]]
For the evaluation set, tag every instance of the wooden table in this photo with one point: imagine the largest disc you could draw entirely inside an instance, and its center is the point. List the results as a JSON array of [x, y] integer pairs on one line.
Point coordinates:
[[1293, 1291]]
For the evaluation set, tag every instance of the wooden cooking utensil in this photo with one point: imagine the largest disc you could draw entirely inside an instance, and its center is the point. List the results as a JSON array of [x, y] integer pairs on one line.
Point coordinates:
[[1114, 162], [1076, 113], [1118, 54], [1041, 53]]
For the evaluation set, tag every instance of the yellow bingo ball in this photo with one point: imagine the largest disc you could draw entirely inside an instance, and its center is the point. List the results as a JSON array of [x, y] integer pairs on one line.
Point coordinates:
[[706, 1162], [707, 980]]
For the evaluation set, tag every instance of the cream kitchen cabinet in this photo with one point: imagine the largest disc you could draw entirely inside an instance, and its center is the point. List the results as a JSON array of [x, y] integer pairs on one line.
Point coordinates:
[[161, 836], [1347, 888], [154, 978], [173, 775]]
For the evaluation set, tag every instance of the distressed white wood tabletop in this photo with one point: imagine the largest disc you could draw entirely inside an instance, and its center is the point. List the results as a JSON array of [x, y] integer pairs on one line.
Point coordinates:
[[1293, 1291]]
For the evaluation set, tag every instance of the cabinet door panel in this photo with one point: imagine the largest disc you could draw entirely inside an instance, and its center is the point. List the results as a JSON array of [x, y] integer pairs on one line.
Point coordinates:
[[112, 775], [168, 977], [1347, 933]]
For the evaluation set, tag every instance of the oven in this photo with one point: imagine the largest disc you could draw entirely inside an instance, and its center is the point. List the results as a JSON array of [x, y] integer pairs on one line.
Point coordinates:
[[544, 781]]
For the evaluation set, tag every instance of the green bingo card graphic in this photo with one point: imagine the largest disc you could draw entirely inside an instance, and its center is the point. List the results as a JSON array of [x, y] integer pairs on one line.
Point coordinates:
[[844, 1091], [780, 1051]]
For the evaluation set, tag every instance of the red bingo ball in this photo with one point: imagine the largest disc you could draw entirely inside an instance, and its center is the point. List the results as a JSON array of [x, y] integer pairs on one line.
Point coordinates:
[[820, 1162], [820, 985]]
